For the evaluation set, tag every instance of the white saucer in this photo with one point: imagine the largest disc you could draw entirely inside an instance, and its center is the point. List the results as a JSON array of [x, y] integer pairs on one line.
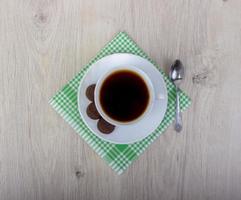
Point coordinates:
[[134, 132]]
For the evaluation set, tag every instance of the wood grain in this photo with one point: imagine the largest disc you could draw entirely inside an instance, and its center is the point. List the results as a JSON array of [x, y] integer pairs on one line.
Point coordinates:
[[44, 43]]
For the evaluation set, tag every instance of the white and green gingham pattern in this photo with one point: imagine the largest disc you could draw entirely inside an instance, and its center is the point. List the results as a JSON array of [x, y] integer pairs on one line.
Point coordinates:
[[118, 156]]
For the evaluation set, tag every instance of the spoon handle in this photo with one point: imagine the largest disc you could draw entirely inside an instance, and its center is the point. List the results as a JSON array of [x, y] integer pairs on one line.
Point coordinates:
[[178, 122]]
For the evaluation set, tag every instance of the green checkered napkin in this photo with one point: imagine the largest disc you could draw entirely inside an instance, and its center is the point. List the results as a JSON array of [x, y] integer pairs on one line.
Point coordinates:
[[118, 156]]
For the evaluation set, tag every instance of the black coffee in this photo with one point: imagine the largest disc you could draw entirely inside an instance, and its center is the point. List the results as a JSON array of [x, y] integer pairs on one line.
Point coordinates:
[[124, 96]]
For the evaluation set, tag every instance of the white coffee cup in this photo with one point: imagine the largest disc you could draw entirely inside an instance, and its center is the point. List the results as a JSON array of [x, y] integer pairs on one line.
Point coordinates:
[[102, 79]]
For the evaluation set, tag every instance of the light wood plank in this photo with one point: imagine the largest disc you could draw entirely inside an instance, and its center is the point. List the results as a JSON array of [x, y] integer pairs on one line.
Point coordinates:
[[44, 43]]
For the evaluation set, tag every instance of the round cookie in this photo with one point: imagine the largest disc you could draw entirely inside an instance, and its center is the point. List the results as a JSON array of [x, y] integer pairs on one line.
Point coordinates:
[[90, 92], [105, 127], [92, 112]]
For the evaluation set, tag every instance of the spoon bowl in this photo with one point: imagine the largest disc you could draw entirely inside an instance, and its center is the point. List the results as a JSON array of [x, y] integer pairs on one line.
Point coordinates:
[[176, 73]]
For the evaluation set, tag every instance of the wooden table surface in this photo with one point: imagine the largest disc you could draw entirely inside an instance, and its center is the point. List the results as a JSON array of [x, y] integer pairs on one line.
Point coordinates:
[[44, 43]]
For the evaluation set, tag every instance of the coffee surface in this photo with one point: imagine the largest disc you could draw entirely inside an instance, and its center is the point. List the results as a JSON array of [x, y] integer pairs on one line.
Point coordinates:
[[124, 96]]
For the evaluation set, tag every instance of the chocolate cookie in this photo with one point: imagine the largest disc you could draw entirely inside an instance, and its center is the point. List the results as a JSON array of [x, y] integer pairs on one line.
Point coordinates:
[[105, 127], [92, 111], [90, 92]]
